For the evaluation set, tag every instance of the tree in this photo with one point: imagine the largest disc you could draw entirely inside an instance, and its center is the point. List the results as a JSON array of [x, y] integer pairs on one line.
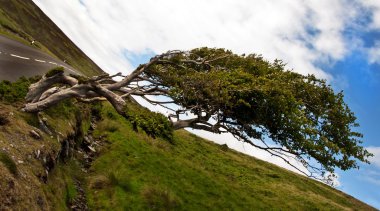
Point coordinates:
[[246, 96]]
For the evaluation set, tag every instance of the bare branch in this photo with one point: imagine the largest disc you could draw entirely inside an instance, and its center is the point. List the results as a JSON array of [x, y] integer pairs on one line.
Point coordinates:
[[38, 88]]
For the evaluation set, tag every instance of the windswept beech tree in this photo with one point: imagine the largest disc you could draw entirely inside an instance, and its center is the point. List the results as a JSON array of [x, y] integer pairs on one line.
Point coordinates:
[[222, 92]]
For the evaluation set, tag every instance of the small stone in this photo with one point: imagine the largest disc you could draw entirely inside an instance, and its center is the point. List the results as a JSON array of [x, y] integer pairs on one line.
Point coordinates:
[[34, 134], [38, 152], [91, 148]]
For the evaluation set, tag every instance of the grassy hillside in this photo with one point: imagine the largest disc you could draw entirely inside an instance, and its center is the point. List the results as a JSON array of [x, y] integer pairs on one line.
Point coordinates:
[[24, 21], [94, 158], [137, 172], [125, 169]]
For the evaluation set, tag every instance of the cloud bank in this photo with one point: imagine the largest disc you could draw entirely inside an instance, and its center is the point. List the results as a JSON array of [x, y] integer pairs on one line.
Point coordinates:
[[375, 160], [302, 33]]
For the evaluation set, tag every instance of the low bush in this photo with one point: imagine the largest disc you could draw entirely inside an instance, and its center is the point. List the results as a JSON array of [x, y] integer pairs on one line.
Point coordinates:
[[11, 92], [154, 124], [55, 71]]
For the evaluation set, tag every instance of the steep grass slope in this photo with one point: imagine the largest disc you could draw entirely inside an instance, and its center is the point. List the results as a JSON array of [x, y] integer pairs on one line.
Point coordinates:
[[24, 21], [110, 163], [137, 172]]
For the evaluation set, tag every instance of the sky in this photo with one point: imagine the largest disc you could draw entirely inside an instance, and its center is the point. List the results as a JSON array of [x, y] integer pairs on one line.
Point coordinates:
[[338, 40]]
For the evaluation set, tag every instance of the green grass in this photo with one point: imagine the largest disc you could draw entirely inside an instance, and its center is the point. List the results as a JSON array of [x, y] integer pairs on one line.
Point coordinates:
[[60, 188], [137, 172], [9, 163]]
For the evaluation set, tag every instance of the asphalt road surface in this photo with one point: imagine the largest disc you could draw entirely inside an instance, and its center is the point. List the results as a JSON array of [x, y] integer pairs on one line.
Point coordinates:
[[17, 59]]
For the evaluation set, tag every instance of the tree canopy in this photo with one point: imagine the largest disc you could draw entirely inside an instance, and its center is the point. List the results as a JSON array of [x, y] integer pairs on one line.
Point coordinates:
[[245, 95]]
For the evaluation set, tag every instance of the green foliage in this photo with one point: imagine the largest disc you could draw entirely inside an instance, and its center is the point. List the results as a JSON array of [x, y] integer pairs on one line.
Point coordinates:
[[255, 98], [154, 124], [11, 92], [9, 163], [55, 71]]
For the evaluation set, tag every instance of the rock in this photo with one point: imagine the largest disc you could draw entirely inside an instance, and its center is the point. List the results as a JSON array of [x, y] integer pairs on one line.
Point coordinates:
[[34, 134], [38, 152], [87, 140], [91, 148], [92, 126], [20, 161]]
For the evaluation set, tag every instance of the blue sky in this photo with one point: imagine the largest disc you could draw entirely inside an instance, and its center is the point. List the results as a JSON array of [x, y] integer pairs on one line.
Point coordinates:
[[361, 88], [338, 40]]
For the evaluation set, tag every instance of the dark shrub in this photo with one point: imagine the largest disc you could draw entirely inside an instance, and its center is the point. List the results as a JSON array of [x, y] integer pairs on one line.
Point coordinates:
[[16, 91], [55, 71]]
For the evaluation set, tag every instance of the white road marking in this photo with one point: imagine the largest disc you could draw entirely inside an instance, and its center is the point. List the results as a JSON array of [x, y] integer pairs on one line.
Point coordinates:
[[37, 60], [53, 63], [21, 57]]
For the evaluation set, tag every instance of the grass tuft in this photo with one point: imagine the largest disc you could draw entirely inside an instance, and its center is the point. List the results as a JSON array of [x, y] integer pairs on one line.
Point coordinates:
[[9, 163], [55, 71], [3, 119], [120, 181], [157, 198]]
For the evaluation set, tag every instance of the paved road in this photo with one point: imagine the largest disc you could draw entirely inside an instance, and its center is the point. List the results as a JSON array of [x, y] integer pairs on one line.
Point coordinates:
[[17, 59]]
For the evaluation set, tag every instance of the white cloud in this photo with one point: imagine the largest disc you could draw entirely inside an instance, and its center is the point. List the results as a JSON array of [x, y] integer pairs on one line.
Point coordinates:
[[276, 28], [374, 53], [374, 9], [375, 160]]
